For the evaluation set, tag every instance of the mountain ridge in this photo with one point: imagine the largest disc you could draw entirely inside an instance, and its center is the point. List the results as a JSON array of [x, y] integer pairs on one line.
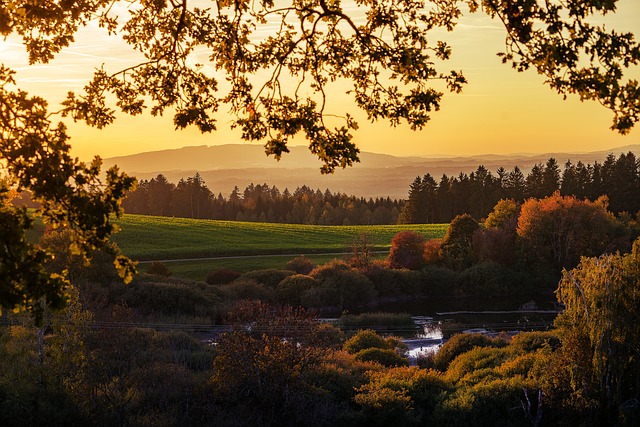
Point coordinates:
[[378, 175]]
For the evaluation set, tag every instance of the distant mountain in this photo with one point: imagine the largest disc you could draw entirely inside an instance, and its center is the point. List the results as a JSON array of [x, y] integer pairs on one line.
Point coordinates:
[[377, 175]]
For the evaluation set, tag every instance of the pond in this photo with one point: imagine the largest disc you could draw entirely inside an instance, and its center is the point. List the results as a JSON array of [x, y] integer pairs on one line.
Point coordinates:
[[439, 318]]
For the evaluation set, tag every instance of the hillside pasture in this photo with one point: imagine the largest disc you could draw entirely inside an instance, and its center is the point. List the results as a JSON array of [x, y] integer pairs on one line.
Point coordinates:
[[163, 238]]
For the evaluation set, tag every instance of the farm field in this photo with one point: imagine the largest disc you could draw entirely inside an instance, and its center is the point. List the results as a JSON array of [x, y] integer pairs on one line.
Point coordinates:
[[163, 238]]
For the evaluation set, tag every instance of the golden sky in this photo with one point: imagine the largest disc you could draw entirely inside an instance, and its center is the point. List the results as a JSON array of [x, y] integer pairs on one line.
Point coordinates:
[[500, 111]]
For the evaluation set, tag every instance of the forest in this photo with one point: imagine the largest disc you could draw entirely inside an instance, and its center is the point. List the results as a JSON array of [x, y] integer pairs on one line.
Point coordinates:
[[432, 201], [428, 201], [191, 198]]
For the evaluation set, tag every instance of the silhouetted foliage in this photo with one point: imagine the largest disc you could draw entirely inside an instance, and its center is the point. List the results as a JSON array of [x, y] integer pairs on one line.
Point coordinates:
[[301, 265], [159, 269], [457, 249], [480, 191], [192, 199], [222, 276]]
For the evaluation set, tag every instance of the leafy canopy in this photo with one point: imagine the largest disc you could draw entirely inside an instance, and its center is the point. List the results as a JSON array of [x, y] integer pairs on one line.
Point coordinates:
[[199, 55]]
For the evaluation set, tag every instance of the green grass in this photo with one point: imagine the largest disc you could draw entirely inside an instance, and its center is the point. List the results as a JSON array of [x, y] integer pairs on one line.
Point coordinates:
[[158, 238]]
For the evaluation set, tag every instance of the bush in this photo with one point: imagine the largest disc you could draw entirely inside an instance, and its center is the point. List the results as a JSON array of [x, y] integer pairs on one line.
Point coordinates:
[[168, 298], [484, 279], [461, 343], [222, 276], [489, 403], [320, 297], [432, 251], [384, 356], [478, 364], [158, 268], [247, 289], [340, 286], [389, 282], [532, 341], [290, 289], [364, 339], [440, 281], [407, 251], [301, 265], [269, 277]]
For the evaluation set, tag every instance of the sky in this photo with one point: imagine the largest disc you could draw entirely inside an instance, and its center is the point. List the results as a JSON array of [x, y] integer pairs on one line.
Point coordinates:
[[500, 111]]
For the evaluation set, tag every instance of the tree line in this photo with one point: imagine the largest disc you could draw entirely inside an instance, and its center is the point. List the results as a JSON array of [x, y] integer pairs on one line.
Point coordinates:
[[191, 198], [432, 201]]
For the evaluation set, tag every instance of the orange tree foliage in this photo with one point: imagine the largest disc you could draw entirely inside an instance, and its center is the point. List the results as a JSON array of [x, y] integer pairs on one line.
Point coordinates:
[[560, 229], [407, 251]]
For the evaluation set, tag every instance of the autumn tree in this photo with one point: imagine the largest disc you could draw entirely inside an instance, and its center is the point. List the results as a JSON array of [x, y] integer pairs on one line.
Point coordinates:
[[504, 215], [391, 53], [561, 229], [407, 250]]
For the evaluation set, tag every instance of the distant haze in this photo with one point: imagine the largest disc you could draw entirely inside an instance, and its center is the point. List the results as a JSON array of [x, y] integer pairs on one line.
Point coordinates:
[[378, 175]]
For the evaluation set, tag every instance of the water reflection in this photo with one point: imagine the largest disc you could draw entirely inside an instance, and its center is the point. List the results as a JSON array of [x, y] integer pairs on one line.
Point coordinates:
[[438, 319]]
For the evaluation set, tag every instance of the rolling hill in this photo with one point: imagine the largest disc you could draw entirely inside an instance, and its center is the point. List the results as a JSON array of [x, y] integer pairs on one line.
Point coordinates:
[[378, 175]]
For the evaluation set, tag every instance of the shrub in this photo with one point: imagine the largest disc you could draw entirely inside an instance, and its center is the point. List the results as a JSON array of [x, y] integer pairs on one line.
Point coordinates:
[[269, 277], [432, 251], [484, 279], [401, 396], [532, 341], [340, 286], [488, 403], [320, 297], [290, 289], [478, 363], [247, 289], [158, 268], [407, 251], [169, 299], [390, 282], [364, 339], [384, 356], [440, 281], [222, 276], [461, 343], [326, 271], [301, 265]]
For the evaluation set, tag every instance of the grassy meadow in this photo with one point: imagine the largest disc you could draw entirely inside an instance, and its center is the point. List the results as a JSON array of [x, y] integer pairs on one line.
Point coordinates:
[[148, 238]]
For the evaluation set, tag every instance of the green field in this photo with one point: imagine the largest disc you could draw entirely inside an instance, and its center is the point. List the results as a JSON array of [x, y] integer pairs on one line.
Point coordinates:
[[162, 238]]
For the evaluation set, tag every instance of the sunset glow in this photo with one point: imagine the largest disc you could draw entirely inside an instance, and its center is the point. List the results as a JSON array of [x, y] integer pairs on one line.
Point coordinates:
[[499, 111]]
